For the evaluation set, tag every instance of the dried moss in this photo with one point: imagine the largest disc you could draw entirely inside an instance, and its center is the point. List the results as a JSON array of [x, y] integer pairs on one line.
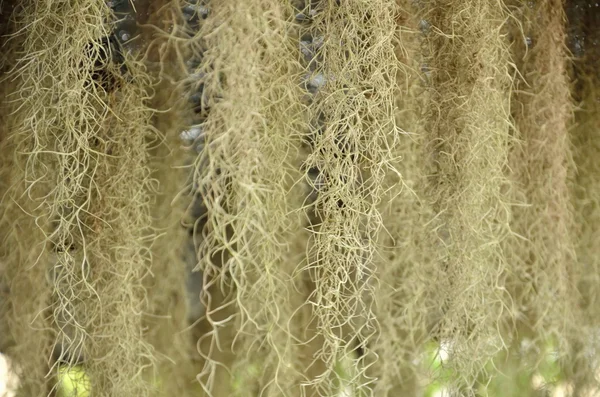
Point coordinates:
[[406, 270], [248, 114], [468, 135], [356, 181], [80, 130], [352, 151], [543, 265], [168, 326], [582, 364]]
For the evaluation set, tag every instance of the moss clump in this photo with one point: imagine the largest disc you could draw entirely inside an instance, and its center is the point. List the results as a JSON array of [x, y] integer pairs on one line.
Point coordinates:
[[248, 112], [468, 137], [544, 261], [300, 185], [80, 130]]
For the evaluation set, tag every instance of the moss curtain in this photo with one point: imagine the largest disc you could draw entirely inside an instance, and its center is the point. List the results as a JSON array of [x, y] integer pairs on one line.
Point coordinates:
[[299, 198]]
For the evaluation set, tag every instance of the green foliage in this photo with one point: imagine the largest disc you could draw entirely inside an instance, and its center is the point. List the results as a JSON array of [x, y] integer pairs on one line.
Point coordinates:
[[73, 382]]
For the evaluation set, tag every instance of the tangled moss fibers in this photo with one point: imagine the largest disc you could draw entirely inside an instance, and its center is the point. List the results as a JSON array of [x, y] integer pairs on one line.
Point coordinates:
[[468, 134], [444, 203], [404, 269], [80, 130], [249, 111], [118, 247], [584, 185], [586, 149], [29, 338], [352, 151], [25, 315], [167, 327], [546, 265], [5, 179]]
